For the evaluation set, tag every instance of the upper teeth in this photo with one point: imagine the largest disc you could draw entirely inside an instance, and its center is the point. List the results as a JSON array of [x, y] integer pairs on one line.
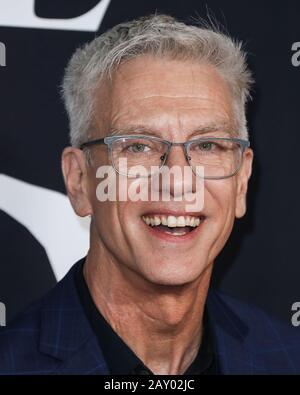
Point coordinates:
[[172, 221]]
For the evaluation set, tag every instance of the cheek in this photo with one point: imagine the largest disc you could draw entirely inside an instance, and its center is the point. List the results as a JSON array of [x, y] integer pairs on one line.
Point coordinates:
[[110, 214], [104, 210], [220, 208], [219, 201], [116, 221]]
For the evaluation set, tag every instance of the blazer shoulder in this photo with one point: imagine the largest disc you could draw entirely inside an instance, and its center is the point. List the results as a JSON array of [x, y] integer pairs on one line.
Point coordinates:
[[19, 343], [262, 326], [251, 341], [22, 340]]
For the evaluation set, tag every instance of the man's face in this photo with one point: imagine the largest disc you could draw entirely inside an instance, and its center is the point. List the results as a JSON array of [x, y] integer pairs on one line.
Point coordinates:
[[177, 101]]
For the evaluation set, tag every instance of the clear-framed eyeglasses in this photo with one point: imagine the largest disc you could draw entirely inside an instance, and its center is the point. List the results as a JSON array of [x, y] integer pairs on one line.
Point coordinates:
[[219, 158]]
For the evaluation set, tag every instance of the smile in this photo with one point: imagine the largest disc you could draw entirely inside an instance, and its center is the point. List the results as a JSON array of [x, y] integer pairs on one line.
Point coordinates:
[[173, 225]]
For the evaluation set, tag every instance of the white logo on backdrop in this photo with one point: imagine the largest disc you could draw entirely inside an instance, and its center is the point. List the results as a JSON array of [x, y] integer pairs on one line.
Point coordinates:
[[20, 13], [49, 217], [47, 214]]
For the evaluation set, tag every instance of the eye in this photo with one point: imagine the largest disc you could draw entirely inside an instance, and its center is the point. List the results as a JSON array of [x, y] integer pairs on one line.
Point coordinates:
[[206, 146], [138, 148]]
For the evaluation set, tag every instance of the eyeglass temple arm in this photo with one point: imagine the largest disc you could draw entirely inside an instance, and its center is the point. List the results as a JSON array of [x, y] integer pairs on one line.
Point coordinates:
[[92, 142]]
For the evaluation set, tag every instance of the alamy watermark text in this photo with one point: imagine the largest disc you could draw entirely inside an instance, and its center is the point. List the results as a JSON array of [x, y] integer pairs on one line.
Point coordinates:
[[2, 55]]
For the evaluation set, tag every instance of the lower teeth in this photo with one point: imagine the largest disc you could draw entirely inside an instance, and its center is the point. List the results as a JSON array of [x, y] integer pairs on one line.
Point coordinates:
[[175, 231]]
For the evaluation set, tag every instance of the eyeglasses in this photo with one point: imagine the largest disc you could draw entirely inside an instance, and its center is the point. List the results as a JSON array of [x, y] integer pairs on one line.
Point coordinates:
[[219, 157]]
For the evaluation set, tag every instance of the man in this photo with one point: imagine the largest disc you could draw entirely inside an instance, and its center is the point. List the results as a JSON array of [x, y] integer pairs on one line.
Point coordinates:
[[152, 94]]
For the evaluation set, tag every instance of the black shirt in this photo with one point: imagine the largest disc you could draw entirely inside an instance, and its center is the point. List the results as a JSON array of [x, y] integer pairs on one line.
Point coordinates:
[[120, 359]]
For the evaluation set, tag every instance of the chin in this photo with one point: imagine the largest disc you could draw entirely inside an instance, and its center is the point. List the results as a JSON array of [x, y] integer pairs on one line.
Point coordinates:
[[173, 275]]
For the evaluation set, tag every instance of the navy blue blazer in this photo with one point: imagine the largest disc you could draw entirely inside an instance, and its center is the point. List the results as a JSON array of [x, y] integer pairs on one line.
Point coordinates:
[[54, 337]]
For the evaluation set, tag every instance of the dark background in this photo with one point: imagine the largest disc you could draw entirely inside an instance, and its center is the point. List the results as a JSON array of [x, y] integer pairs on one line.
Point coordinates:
[[260, 264]]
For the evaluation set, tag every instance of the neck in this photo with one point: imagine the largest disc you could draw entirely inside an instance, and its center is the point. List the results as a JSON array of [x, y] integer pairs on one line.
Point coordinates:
[[161, 324]]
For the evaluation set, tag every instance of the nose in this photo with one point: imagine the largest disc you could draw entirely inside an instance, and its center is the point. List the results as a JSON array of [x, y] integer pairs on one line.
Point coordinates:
[[177, 156], [181, 179]]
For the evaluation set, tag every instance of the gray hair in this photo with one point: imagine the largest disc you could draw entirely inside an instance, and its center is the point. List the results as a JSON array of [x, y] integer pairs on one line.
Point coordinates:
[[161, 36]]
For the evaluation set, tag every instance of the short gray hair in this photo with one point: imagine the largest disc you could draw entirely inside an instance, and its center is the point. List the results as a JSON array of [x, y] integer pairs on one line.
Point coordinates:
[[161, 36]]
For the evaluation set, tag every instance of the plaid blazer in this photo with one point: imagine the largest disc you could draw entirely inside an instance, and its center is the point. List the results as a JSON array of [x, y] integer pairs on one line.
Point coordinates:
[[53, 337]]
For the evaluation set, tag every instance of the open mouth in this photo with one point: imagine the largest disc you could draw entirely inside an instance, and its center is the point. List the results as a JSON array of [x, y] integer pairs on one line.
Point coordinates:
[[172, 225]]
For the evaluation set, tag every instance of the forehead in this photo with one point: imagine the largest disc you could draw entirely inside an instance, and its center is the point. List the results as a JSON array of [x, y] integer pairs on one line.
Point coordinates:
[[165, 93]]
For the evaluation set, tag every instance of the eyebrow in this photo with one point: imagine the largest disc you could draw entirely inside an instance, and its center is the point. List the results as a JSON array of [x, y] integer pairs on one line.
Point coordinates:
[[213, 128], [147, 130], [134, 129]]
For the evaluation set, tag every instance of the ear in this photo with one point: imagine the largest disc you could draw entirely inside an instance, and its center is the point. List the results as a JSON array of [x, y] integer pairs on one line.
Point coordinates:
[[75, 174], [242, 183]]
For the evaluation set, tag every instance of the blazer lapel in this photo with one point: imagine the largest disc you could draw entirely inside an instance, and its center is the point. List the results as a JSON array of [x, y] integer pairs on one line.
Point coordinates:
[[230, 333], [87, 360]]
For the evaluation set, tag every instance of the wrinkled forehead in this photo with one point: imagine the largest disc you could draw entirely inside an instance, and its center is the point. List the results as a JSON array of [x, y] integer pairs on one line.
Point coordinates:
[[164, 94]]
